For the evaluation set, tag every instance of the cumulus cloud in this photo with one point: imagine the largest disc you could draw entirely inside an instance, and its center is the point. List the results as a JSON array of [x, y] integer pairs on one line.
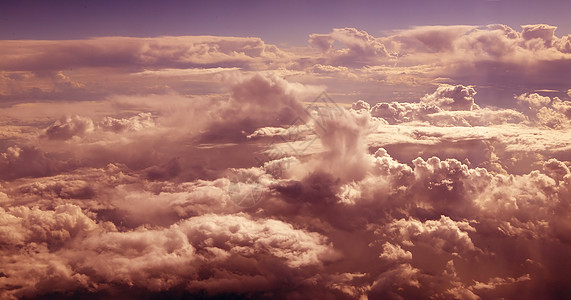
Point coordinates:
[[447, 106], [494, 56], [443, 235], [261, 100], [69, 127], [361, 47], [193, 176], [543, 32], [395, 253], [214, 248], [370, 225], [533, 101], [452, 97], [23, 225], [480, 117], [553, 113], [397, 112], [136, 123], [429, 38], [26, 161]]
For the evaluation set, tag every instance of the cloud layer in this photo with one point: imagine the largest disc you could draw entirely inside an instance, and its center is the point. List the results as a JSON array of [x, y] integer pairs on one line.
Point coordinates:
[[217, 167]]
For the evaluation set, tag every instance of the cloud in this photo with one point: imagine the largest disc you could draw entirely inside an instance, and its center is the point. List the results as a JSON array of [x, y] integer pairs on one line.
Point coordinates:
[[429, 38], [413, 59], [394, 253], [533, 101], [397, 112], [69, 127], [261, 100], [136, 123], [447, 106], [564, 44], [217, 167], [214, 248], [399, 224], [361, 47], [24, 225], [127, 52], [494, 56], [480, 117], [553, 113], [542, 32], [26, 161], [452, 97], [444, 234]]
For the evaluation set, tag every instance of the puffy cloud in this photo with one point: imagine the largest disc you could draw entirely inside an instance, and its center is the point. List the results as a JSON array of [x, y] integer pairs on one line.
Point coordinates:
[[394, 282], [80, 126], [395, 253], [435, 109], [25, 161], [533, 101], [361, 105], [69, 127], [22, 225], [136, 123], [93, 69], [543, 32], [411, 222], [65, 189], [450, 97], [493, 56], [429, 38], [259, 101], [397, 112], [563, 107], [556, 169], [443, 235], [553, 113], [342, 137], [460, 201], [564, 44], [216, 249], [361, 47], [480, 117], [268, 131]]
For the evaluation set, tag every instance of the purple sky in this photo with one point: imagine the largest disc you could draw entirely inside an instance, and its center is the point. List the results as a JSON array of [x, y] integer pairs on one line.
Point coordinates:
[[278, 22]]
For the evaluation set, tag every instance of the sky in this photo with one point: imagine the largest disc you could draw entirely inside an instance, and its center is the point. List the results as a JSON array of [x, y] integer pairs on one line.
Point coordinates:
[[277, 22], [285, 150]]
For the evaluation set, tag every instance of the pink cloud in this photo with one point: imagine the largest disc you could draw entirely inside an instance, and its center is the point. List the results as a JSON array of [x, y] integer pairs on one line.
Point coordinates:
[[125, 52], [144, 193]]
